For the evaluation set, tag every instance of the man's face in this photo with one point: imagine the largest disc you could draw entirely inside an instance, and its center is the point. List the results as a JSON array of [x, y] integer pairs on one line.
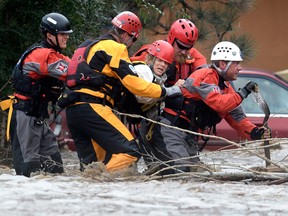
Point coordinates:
[[233, 71], [128, 39], [62, 39], [181, 51]]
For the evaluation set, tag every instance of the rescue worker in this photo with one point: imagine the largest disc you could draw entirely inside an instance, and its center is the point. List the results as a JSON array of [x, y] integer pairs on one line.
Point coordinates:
[[183, 35], [212, 86], [207, 98], [157, 61], [90, 102], [37, 79]]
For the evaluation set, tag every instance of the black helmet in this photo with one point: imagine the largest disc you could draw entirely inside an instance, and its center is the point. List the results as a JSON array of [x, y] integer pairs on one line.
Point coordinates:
[[55, 23]]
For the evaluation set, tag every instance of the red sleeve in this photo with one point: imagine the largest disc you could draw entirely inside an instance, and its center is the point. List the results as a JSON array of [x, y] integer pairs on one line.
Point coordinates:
[[222, 101], [203, 84], [46, 62], [243, 126], [57, 65], [199, 59]]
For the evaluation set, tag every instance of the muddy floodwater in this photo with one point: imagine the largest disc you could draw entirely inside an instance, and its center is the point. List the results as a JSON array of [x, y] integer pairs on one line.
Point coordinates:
[[74, 194]]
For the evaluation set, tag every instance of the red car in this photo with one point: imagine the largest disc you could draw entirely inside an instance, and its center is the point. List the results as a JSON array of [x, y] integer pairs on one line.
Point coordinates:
[[60, 128], [274, 89]]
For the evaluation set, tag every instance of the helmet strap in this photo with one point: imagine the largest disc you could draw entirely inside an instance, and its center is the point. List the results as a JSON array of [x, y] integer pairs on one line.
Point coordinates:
[[119, 36], [220, 71], [121, 39], [152, 64], [128, 41], [55, 45]]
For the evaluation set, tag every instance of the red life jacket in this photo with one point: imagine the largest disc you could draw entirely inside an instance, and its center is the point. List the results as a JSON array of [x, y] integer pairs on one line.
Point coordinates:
[[79, 73], [140, 55]]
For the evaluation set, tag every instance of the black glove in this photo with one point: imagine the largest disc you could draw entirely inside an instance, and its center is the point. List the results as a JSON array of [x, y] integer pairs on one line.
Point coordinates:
[[173, 91], [258, 133], [246, 90], [55, 90], [67, 98]]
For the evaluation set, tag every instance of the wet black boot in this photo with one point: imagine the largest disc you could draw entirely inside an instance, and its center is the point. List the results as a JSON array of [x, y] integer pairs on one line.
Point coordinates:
[[52, 163]]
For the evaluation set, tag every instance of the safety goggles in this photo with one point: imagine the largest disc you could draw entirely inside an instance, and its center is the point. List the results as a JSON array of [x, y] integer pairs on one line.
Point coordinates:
[[134, 39], [182, 46]]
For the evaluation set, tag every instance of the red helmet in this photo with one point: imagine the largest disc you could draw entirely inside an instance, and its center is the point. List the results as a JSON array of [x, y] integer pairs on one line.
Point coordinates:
[[163, 50], [183, 30], [128, 22]]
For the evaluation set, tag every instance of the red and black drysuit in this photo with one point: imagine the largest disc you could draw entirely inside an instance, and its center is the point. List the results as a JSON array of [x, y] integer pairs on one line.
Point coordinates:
[[34, 147], [208, 86], [206, 99]]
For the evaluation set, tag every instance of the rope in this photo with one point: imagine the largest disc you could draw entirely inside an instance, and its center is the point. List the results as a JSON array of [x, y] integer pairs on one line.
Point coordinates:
[[209, 136]]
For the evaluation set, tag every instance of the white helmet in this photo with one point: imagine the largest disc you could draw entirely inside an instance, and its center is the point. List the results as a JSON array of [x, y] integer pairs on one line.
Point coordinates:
[[226, 51]]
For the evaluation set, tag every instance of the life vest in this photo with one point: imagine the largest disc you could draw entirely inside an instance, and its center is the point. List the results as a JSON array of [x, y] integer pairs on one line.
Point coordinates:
[[179, 71], [80, 74], [33, 95], [200, 115], [140, 55], [23, 84]]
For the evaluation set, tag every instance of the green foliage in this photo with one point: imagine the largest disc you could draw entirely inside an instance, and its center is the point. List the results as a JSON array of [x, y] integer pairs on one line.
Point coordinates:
[[245, 43], [89, 18], [219, 22], [20, 22]]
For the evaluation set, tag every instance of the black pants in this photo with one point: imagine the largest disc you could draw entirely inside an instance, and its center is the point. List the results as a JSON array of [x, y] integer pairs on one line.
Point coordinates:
[[96, 129]]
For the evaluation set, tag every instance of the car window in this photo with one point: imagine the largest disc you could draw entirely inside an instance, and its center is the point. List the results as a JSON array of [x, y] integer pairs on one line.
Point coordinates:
[[274, 94]]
